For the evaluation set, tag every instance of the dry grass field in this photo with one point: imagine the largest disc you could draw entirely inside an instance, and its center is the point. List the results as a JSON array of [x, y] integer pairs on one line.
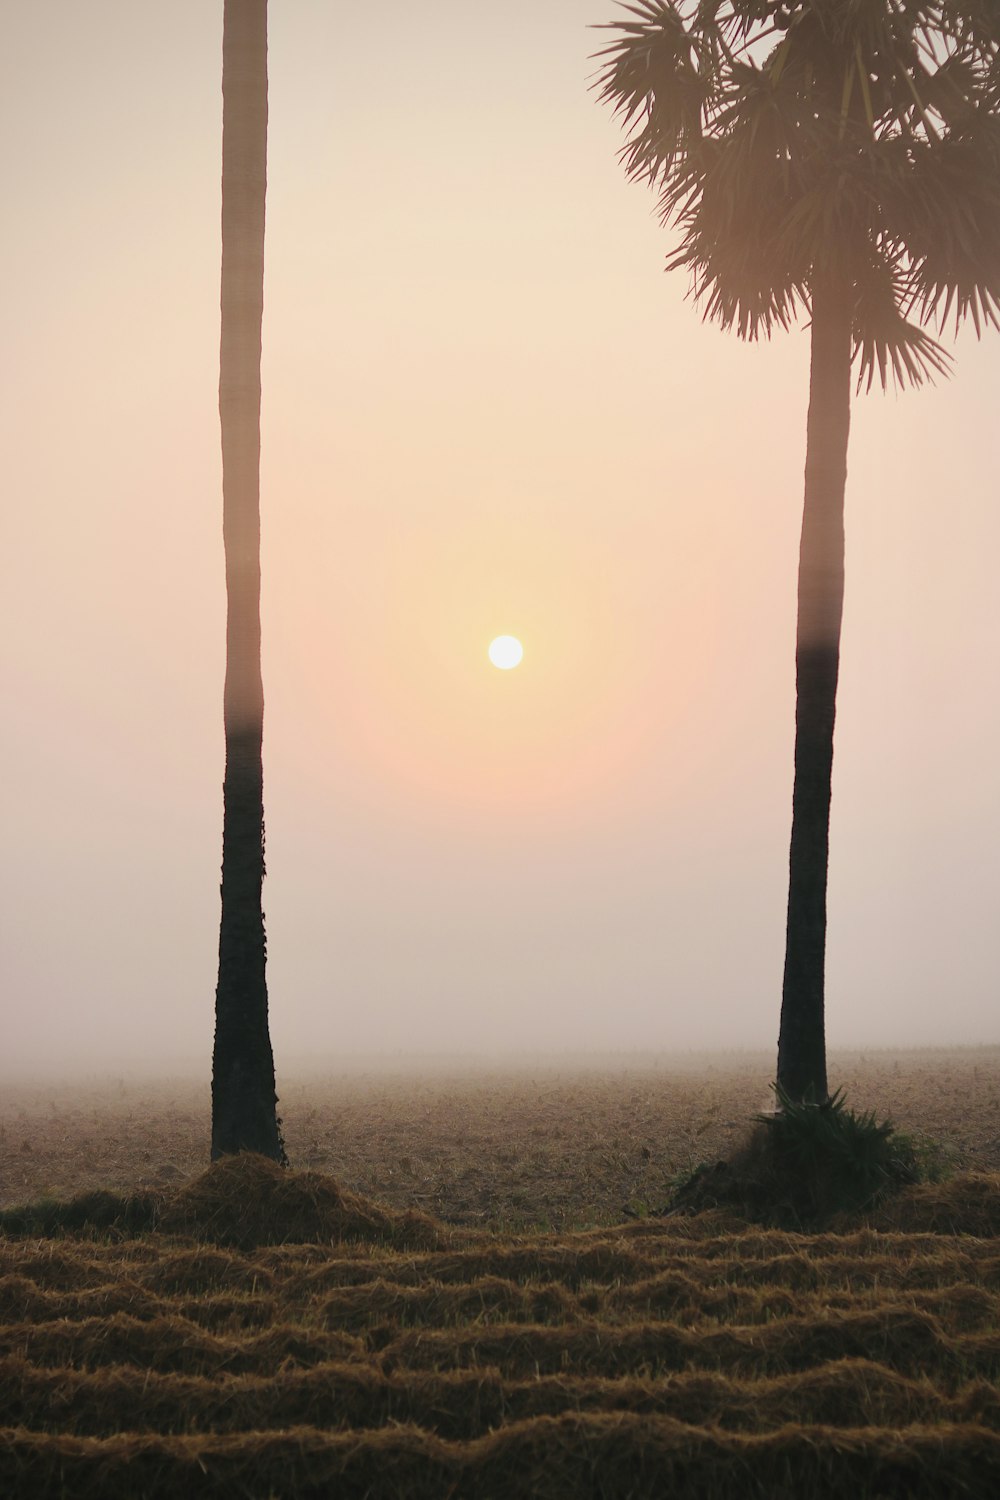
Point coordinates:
[[452, 1296]]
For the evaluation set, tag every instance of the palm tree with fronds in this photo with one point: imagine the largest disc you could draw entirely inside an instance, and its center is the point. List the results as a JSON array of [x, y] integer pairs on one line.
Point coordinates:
[[244, 1105], [839, 158]]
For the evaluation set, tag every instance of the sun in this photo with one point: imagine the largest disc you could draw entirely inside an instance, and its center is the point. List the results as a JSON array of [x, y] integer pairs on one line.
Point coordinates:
[[505, 652]]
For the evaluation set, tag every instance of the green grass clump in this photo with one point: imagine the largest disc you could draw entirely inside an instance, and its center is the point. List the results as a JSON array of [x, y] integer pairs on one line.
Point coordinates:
[[806, 1163], [843, 1160]]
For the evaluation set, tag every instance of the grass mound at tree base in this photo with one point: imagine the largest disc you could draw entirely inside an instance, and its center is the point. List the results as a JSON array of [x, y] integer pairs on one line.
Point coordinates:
[[241, 1202], [804, 1166], [245, 1201]]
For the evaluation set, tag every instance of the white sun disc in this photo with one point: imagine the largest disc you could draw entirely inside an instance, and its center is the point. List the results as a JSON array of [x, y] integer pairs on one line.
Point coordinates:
[[505, 652]]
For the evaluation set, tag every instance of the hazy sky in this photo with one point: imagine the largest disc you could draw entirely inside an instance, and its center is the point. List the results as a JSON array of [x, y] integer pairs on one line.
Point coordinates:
[[486, 409]]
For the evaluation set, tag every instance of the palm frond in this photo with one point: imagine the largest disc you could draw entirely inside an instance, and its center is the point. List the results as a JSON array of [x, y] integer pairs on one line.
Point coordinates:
[[785, 139], [657, 85], [730, 203], [952, 230], [884, 340]]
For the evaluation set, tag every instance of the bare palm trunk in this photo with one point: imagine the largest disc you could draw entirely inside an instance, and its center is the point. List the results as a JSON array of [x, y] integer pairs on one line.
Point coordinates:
[[802, 1040], [244, 1114]]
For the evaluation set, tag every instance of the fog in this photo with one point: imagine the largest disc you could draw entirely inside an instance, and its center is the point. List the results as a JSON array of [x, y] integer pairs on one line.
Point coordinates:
[[486, 409]]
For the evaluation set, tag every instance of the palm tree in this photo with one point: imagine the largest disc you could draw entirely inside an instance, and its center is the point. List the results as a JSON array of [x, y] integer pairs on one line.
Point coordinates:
[[841, 158], [244, 1114]]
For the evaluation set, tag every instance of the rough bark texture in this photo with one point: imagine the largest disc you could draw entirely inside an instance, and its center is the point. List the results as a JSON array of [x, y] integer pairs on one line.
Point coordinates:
[[802, 1040], [244, 1116]]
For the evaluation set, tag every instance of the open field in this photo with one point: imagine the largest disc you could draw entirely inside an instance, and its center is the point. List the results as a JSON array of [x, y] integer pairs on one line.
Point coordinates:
[[553, 1145], [388, 1353]]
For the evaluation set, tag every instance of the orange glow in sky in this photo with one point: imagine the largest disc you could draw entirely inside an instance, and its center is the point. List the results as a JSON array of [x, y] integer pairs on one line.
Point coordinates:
[[486, 410]]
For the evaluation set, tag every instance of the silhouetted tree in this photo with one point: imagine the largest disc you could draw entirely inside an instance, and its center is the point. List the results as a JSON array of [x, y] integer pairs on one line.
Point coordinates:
[[838, 157], [244, 1116]]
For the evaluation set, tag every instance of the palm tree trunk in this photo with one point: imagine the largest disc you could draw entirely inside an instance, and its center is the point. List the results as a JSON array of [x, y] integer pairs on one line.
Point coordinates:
[[802, 1041], [244, 1103]]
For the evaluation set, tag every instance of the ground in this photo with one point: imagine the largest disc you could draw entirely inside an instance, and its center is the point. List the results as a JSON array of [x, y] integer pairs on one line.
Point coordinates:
[[526, 1144], [270, 1335]]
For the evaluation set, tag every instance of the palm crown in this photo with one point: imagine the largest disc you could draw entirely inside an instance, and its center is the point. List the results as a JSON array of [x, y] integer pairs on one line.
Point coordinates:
[[855, 137]]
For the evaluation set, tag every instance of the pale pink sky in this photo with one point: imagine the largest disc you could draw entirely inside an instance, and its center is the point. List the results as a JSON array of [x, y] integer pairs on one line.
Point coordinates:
[[486, 409]]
